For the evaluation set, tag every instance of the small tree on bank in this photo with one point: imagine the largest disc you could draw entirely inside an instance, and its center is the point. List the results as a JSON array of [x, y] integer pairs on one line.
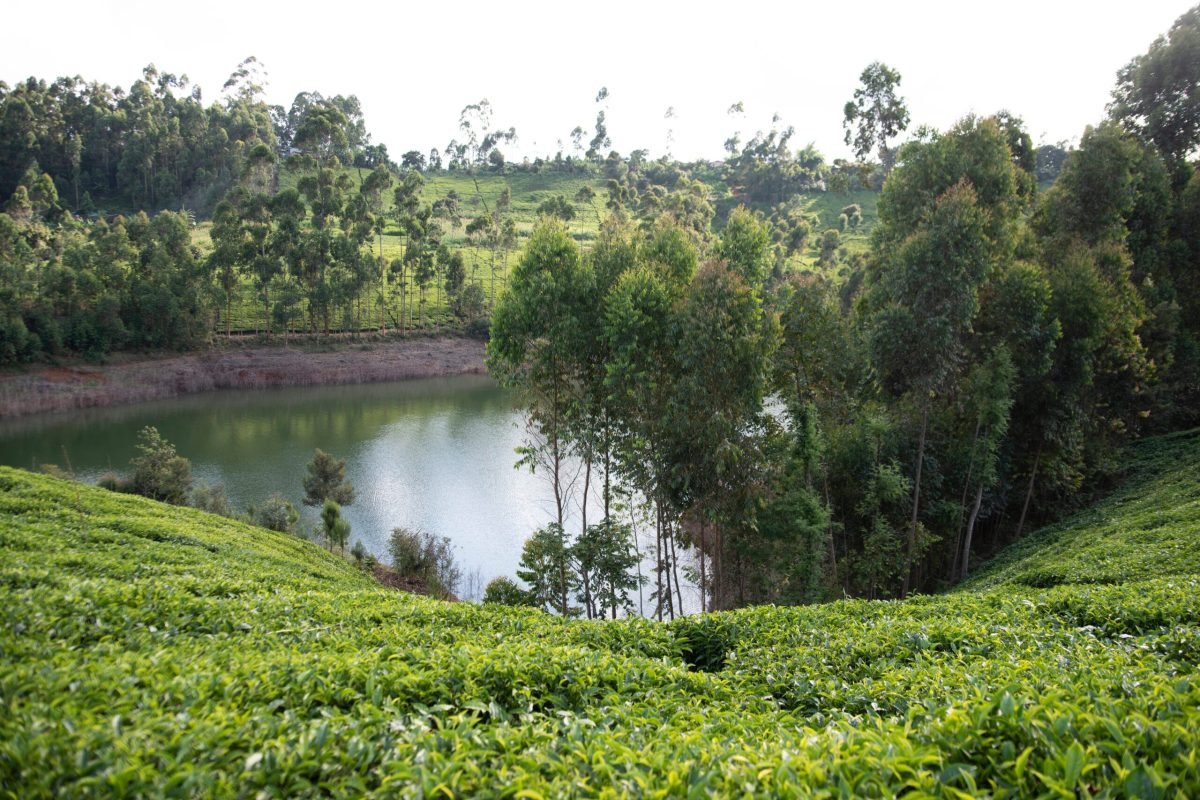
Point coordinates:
[[326, 480], [275, 514], [425, 557], [158, 471], [336, 528]]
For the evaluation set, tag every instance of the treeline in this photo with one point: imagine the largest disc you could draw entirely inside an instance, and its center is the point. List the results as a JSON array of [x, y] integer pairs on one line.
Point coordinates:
[[101, 147], [974, 376], [76, 277], [87, 147]]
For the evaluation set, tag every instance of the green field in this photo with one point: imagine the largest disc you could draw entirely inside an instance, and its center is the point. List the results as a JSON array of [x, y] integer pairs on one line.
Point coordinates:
[[158, 651]]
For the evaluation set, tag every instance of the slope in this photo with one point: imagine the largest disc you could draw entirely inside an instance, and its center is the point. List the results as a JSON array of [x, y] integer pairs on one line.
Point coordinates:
[[156, 651]]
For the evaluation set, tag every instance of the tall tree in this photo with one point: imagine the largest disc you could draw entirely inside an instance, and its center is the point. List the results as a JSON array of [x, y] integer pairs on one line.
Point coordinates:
[[1158, 93], [876, 113], [535, 343]]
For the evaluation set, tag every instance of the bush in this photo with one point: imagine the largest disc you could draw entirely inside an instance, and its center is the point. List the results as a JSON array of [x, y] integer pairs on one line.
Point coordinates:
[[158, 471], [421, 555], [362, 559], [113, 482], [211, 499], [275, 514], [503, 591]]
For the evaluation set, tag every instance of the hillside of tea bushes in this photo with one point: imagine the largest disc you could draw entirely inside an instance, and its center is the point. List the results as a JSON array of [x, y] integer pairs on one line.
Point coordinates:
[[148, 650]]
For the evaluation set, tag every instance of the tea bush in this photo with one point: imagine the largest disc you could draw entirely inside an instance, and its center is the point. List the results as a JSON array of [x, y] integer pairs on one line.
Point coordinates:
[[152, 650]]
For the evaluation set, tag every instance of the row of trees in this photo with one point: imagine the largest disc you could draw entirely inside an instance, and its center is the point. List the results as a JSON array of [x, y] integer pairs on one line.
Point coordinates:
[[154, 146]]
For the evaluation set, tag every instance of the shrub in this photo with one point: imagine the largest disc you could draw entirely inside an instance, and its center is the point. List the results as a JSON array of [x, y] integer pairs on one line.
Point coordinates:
[[362, 558], [504, 592], [158, 471], [421, 555], [211, 499], [275, 514]]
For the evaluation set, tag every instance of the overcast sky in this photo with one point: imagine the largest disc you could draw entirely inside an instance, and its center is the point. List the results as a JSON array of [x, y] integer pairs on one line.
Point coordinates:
[[540, 64]]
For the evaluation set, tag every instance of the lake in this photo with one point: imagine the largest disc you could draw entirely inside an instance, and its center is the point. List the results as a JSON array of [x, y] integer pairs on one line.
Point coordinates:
[[435, 454]]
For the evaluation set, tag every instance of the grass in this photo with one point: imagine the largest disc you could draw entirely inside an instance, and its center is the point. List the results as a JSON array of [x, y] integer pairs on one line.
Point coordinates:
[[158, 651]]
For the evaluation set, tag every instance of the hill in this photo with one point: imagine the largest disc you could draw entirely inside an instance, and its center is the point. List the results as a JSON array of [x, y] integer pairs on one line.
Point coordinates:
[[159, 651], [477, 194]]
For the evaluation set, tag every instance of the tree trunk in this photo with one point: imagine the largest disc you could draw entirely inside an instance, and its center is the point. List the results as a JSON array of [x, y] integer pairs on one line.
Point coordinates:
[[966, 551], [658, 561], [962, 508], [675, 570], [830, 528], [638, 552], [1029, 491], [587, 480], [911, 555]]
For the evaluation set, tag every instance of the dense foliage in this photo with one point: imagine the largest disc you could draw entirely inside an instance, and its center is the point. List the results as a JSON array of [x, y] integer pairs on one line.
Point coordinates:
[[958, 358], [157, 650], [973, 374]]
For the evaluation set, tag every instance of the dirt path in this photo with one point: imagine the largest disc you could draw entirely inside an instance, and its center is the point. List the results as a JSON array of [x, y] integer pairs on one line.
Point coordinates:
[[131, 380]]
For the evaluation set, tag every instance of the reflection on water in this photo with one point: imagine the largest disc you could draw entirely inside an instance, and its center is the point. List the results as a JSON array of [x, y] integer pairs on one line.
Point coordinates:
[[435, 454]]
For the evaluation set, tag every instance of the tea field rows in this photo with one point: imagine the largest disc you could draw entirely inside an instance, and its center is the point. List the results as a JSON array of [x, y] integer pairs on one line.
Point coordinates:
[[149, 650]]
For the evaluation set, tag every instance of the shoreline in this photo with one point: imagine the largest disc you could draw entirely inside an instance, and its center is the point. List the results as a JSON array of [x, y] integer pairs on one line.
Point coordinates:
[[138, 378]]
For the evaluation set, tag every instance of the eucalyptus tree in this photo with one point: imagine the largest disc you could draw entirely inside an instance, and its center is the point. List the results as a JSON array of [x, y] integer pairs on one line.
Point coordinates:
[[640, 375], [334, 525], [534, 344], [1156, 94], [876, 113], [722, 347], [587, 194], [406, 205], [228, 257], [600, 139], [921, 307]]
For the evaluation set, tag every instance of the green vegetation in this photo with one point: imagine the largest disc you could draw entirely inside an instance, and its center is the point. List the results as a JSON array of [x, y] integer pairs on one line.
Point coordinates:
[[157, 650], [959, 379]]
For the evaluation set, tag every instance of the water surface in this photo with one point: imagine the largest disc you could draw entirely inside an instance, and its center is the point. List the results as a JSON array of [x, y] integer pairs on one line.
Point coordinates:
[[435, 454]]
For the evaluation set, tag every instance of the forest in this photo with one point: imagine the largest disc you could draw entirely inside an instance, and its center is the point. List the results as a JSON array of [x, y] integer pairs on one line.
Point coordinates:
[[861, 402]]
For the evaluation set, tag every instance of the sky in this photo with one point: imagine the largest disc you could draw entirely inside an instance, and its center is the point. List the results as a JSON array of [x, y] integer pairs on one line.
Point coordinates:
[[541, 64]]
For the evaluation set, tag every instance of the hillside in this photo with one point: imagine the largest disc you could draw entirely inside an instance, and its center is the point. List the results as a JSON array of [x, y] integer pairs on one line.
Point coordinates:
[[477, 194], [151, 650]]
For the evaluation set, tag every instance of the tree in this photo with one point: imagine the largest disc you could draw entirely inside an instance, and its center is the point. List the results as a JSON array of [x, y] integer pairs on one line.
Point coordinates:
[[605, 560], [326, 480], [720, 357], [877, 113], [536, 342], [557, 206], [1157, 95], [158, 471], [546, 569], [467, 305], [335, 527], [922, 307], [745, 246]]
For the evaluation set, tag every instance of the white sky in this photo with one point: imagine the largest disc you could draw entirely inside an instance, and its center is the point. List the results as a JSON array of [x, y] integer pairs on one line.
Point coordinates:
[[414, 66]]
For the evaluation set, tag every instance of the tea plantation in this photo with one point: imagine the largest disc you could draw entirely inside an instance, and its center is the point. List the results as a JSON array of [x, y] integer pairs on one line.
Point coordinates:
[[148, 650]]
